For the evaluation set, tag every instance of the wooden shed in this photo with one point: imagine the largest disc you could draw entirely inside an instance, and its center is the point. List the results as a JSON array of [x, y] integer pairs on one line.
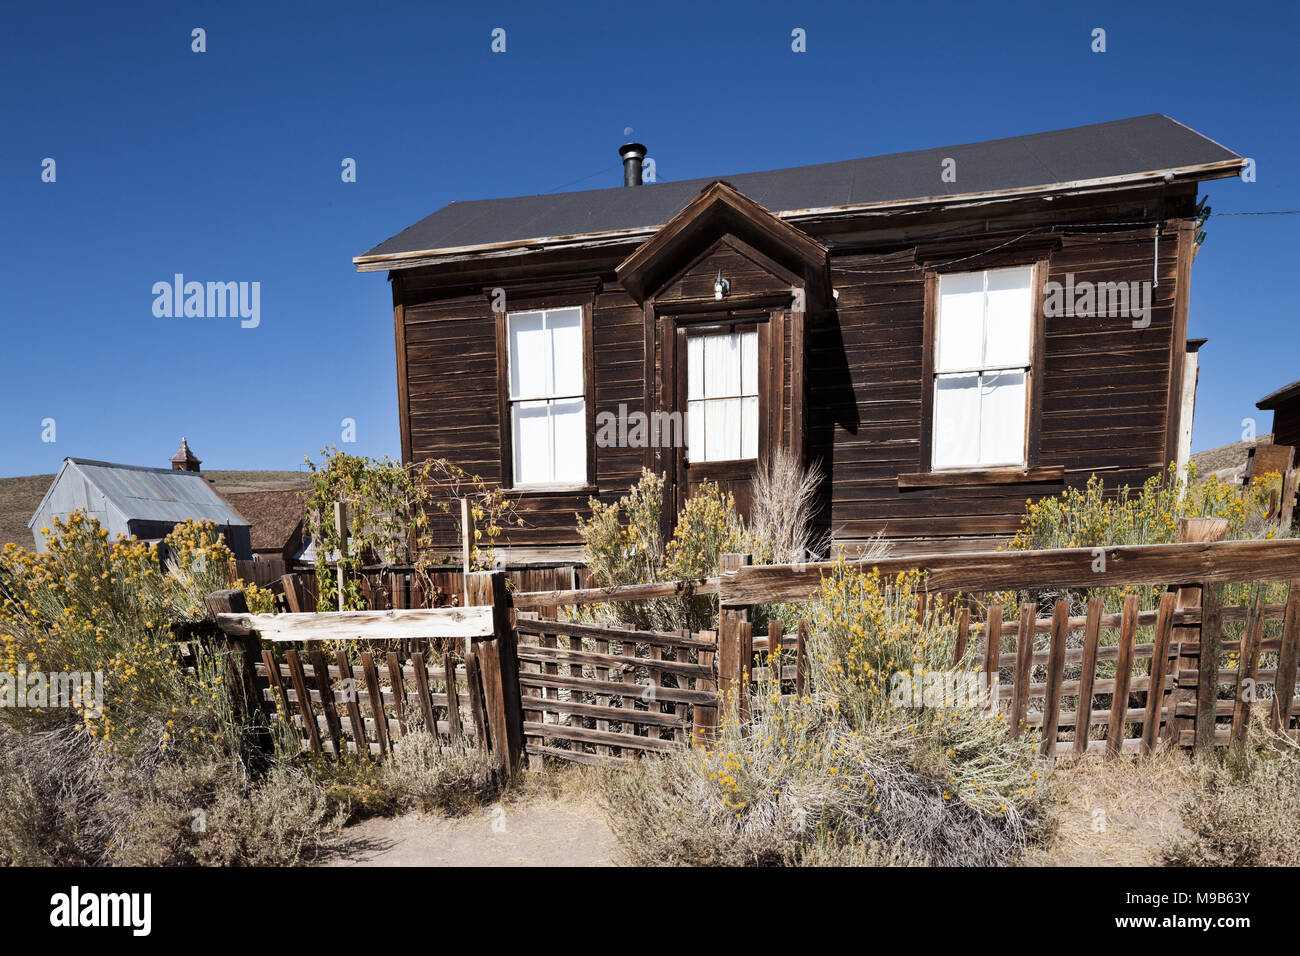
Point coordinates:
[[948, 331]]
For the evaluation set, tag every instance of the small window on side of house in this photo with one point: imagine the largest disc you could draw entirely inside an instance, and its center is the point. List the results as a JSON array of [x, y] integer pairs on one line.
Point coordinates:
[[982, 363], [548, 409]]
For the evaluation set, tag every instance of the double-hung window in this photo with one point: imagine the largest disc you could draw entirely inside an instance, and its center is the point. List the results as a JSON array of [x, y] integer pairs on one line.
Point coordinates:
[[548, 409], [981, 368], [722, 396]]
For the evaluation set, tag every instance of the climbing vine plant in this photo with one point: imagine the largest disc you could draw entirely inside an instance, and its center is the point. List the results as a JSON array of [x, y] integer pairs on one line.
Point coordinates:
[[393, 518]]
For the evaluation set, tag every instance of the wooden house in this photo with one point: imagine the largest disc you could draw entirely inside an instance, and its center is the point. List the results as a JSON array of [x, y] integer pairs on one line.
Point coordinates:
[[948, 331], [1285, 406]]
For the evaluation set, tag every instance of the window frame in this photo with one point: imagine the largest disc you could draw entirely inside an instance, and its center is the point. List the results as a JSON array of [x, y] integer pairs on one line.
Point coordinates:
[[1030, 461], [522, 301]]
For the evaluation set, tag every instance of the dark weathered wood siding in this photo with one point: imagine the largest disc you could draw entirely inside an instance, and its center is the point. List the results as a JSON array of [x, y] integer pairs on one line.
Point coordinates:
[[1105, 388], [1105, 396]]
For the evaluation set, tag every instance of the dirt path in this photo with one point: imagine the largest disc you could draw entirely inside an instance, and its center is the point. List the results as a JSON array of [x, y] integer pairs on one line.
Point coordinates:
[[540, 831]]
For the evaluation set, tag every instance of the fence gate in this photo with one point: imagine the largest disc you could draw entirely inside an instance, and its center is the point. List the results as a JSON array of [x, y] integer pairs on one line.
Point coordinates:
[[592, 693]]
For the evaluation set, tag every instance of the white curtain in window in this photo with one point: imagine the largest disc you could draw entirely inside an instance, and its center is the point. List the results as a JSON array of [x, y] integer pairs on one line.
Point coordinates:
[[749, 427], [565, 326], [721, 366], [956, 420], [569, 426], [961, 320], [1006, 321], [983, 333], [528, 348], [695, 368], [722, 396], [532, 442], [1002, 418]]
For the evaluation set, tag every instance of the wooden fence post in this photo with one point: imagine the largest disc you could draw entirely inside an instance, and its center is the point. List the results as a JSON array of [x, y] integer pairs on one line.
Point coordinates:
[[1207, 683], [341, 525], [245, 652], [1128, 619], [294, 595], [704, 719], [1055, 677], [1247, 669], [1157, 699], [1288, 654], [1087, 674], [1187, 597], [498, 667], [1024, 666], [732, 623]]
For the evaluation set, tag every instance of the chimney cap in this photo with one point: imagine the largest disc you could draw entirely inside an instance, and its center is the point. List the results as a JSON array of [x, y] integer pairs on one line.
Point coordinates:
[[633, 154]]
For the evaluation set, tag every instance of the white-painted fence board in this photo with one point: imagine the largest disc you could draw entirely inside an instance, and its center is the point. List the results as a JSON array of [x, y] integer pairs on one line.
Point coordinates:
[[370, 625]]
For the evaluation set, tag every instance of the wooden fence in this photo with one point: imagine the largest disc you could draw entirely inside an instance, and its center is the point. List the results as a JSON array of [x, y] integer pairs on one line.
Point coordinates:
[[1130, 679], [510, 671], [457, 676]]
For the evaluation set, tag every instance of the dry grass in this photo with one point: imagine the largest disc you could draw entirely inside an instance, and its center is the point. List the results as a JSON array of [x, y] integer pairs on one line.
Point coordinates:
[[65, 801], [1117, 812], [785, 494], [423, 773], [1245, 810]]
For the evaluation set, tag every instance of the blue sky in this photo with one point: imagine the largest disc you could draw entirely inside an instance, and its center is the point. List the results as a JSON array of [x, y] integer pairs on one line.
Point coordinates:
[[225, 166]]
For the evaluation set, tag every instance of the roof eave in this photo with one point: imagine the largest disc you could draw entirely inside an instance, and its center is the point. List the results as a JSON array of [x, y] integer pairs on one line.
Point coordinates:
[[1195, 173], [31, 522], [1284, 394]]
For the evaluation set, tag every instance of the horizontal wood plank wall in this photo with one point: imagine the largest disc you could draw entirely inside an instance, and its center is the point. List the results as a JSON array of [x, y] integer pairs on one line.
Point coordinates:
[[451, 373], [746, 276], [1104, 397], [1104, 390]]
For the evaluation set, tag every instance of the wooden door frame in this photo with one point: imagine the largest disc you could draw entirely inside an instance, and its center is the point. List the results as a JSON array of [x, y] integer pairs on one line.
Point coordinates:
[[674, 329]]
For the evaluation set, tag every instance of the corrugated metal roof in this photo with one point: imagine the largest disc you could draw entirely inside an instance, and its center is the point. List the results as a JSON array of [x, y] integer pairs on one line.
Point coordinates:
[[155, 494], [1142, 145]]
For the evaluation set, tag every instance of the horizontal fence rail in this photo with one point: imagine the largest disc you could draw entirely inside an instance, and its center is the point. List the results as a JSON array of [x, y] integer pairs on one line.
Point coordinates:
[[668, 590], [445, 622], [1155, 564]]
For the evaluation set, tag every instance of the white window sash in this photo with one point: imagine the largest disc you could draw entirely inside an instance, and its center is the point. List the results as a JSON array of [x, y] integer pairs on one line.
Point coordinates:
[[556, 462], [941, 456]]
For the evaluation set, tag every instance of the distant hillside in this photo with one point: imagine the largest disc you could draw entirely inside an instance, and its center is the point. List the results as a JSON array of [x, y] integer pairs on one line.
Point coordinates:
[[20, 497], [1227, 462]]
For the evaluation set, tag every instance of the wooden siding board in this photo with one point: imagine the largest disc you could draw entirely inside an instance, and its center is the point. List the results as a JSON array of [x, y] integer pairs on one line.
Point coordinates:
[[1104, 399]]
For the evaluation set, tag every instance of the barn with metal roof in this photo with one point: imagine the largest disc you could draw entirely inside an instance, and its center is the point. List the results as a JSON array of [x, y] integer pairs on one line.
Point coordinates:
[[135, 500]]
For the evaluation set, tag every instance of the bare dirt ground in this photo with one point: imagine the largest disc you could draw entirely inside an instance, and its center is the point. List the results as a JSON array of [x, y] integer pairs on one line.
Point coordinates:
[[1118, 813], [539, 830]]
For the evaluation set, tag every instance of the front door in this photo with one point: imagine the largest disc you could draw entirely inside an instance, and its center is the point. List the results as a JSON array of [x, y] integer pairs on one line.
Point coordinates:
[[722, 389]]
